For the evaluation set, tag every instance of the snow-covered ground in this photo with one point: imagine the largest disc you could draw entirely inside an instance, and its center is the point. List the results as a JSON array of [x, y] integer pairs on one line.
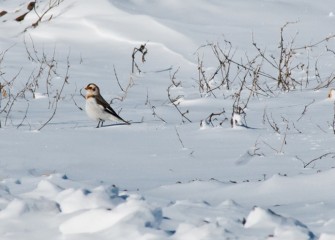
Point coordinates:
[[166, 176]]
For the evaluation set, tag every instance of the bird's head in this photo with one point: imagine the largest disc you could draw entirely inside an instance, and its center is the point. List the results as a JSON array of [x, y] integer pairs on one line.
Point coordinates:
[[92, 89]]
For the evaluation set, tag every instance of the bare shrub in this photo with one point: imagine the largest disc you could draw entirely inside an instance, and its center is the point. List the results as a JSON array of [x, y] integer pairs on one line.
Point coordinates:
[[143, 50], [175, 101], [278, 67], [41, 80], [222, 77], [214, 119], [123, 89], [45, 10], [309, 162], [263, 74], [58, 95]]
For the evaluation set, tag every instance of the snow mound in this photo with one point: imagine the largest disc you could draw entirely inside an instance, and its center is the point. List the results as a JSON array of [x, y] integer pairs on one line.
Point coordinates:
[[75, 208], [325, 236], [45, 189], [284, 228], [72, 200], [14, 209], [133, 212]]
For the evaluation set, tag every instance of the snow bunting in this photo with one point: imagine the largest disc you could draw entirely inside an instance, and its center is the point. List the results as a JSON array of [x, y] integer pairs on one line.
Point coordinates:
[[97, 108], [331, 93]]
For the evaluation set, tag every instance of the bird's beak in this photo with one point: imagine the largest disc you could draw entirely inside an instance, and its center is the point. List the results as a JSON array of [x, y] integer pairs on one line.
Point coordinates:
[[86, 88]]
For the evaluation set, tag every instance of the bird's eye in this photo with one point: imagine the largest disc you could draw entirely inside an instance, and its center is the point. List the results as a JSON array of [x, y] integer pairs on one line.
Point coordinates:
[[93, 89]]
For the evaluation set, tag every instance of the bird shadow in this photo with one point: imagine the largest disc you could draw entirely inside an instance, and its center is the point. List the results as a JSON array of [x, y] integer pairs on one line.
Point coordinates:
[[119, 124], [113, 125]]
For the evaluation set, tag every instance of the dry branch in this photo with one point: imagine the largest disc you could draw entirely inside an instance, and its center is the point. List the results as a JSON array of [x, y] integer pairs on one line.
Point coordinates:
[[305, 110], [306, 164], [58, 95], [142, 49]]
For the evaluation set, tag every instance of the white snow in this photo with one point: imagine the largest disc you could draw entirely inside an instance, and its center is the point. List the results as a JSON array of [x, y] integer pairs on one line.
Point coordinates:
[[267, 174]]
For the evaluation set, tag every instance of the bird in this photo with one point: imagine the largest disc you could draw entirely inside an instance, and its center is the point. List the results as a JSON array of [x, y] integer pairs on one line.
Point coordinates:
[[331, 93], [97, 108]]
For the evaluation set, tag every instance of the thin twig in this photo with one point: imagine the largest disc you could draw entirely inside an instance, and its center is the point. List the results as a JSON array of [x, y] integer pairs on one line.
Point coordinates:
[[117, 79], [142, 49], [173, 101], [306, 164], [181, 141], [58, 95], [75, 103], [25, 116], [305, 110]]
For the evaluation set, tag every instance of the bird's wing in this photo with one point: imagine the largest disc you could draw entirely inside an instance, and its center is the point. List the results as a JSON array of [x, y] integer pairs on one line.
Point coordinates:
[[102, 102]]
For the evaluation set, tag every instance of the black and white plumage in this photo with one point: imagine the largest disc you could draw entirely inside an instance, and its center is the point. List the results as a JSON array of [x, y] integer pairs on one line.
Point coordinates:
[[97, 108]]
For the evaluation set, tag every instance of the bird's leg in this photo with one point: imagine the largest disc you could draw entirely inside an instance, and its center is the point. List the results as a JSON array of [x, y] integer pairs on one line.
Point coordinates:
[[102, 123], [99, 123]]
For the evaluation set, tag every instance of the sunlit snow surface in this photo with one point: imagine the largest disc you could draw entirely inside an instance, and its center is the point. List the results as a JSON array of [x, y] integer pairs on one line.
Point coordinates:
[[163, 177]]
